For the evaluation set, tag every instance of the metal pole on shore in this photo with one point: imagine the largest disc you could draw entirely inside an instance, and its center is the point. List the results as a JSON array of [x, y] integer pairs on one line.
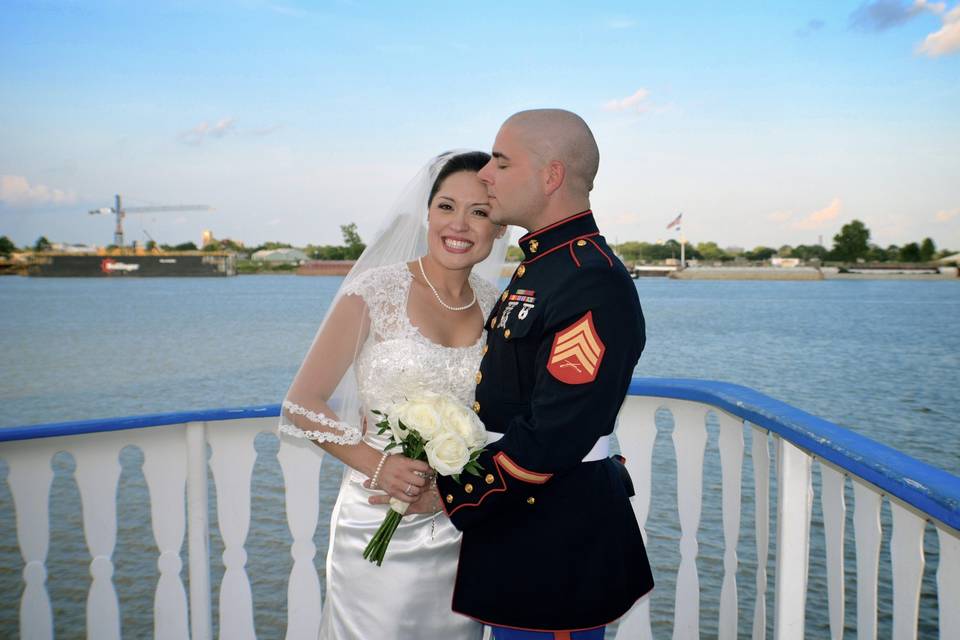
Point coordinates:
[[683, 254]]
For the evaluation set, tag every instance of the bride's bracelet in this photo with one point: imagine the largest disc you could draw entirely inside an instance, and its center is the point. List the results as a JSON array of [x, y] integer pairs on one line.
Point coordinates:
[[376, 474]]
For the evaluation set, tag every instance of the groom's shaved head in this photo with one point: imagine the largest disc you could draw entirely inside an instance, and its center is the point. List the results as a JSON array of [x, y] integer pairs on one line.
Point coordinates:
[[555, 134]]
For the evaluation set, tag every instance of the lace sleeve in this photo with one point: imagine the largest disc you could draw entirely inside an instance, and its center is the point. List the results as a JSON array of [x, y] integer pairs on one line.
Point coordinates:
[[336, 431]]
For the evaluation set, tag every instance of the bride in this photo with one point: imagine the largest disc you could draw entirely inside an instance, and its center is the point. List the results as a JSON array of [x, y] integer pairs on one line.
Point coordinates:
[[408, 317]]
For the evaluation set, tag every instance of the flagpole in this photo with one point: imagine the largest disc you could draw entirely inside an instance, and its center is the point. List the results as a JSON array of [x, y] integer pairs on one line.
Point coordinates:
[[683, 245]]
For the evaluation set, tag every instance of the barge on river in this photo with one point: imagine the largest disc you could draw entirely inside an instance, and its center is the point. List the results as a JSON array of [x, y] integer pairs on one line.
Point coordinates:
[[122, 265]]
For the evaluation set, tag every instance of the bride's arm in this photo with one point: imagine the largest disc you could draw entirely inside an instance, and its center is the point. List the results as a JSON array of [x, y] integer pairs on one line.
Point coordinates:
[[306, 412]]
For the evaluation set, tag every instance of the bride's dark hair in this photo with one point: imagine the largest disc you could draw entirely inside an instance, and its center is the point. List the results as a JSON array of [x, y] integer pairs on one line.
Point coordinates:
[[471, 161]]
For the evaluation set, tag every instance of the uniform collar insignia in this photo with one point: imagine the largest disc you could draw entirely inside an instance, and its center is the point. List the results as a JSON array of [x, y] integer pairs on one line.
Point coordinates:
[[539, 242]]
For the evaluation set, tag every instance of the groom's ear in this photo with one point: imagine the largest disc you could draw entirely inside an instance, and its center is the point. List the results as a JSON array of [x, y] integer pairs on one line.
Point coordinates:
[[554, 174]]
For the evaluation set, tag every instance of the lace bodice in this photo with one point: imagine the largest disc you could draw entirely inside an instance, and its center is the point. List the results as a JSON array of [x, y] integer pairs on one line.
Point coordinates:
[[398, 360]]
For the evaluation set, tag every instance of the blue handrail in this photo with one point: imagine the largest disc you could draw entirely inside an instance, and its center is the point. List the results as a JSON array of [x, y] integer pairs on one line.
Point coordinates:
[[927, 488]]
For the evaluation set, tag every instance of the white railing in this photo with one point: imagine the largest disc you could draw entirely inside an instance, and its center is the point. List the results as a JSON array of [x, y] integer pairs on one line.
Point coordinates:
[[176, 471]]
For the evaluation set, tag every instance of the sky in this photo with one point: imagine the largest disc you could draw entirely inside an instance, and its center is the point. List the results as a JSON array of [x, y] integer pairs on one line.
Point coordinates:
[[764, 123]]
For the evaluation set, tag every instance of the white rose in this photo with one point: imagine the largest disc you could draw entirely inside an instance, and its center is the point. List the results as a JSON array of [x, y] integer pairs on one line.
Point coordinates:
[[399, 433], [448, 454], [464, 422], [421, 415]]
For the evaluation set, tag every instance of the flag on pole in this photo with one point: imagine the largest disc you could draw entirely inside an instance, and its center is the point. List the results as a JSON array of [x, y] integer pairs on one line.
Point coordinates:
[[676, 222]]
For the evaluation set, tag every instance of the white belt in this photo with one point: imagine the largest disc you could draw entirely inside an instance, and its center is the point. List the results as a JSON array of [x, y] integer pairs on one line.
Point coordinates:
[[600, 450]]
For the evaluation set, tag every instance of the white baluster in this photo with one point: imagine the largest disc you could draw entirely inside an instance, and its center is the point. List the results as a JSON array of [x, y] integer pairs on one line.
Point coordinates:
[[948, 581], [636, 433], [165, 471], [300, 461], [866, 526], [29, 478], [906, 557], [198, 532], [97, 473], [689, 441], [731, 464], [794, 501], [232, 464], [760, 451], [834, 521]]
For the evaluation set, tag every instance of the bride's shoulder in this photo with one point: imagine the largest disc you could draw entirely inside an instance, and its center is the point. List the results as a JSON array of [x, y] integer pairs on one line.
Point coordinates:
[[376, 281], [486, 292]]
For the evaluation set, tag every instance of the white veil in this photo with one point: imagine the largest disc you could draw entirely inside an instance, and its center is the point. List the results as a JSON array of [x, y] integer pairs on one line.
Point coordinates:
[[401, 238]]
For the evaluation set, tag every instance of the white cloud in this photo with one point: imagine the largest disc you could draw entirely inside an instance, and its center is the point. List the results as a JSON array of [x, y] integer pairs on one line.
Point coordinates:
[[946, 40], [203, 130], [818, 219], [947, 216], [780, 216], [17, 190], [637, 102]]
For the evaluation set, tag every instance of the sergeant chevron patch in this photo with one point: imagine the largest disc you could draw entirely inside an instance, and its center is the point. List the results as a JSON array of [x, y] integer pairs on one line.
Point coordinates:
[[577, 352]]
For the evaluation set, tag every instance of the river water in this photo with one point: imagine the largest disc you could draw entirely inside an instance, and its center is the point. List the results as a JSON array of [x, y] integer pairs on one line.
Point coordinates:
[[879, 357]]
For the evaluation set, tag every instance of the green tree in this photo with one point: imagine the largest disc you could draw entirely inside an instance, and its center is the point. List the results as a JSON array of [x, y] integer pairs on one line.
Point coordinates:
[[759, 254], [711, 251], [910, 252], [151, 245], [809, 252], [42, 244], [6, 246], [927, 250], [351, 238], [185, 246], [852, 242], [786, 251]]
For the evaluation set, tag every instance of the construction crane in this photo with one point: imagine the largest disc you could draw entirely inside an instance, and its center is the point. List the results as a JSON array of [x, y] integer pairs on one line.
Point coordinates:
[[122, 212]]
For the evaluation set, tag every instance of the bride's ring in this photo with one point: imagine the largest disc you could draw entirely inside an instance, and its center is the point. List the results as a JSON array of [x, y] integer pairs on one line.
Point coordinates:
[[409, 490]]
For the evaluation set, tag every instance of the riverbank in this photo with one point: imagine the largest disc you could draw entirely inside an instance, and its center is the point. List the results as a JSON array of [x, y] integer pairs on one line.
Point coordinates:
[[810, 273]]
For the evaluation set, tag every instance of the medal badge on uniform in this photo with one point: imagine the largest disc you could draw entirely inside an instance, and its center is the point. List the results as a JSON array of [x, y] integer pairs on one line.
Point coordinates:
[[522, 298], [577, 352]]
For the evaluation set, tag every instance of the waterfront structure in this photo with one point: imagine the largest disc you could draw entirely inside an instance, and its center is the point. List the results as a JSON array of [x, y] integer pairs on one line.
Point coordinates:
[[783, 444], [280, 256]]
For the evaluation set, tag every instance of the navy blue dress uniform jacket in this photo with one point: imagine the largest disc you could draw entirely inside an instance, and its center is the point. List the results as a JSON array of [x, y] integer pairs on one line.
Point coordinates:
[[551, 542]]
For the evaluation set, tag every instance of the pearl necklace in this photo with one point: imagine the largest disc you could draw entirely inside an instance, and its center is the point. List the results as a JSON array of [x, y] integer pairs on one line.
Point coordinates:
[[439, 299]]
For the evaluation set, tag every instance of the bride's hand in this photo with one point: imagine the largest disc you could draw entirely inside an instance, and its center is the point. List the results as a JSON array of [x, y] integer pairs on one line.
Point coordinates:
[[402, 478]]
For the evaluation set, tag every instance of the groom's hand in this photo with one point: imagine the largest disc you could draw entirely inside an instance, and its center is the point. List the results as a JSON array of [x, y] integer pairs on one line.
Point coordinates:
[[427, 502]]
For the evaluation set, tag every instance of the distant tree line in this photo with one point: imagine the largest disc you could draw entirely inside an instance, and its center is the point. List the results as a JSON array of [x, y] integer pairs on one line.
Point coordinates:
[[850, 245]]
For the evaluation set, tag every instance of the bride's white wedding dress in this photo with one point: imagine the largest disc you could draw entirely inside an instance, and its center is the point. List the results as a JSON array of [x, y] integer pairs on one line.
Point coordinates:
[[408, 597]]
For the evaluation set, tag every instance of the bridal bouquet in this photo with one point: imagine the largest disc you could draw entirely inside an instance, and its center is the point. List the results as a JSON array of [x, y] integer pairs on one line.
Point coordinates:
[[436, 428]]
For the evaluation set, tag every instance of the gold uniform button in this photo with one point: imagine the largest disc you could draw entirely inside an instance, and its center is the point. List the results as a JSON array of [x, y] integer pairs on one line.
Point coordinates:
[[506, 333], [489, 478], [468, 488], [493, 322], [478, 377], [534, 245], [486, 348], [504, 296], [581, 243], [476, 407], [521, 270], [449, 498], [531, 500]]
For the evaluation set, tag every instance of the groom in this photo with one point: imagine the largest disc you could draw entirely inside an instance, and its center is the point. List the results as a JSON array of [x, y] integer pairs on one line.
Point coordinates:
[[551, 547]]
